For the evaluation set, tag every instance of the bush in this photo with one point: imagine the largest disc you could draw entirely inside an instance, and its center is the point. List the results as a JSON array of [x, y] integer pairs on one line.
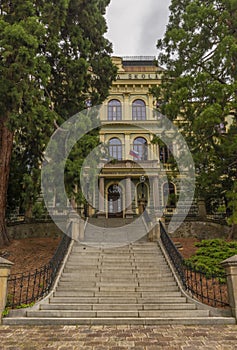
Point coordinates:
[[210, 254]]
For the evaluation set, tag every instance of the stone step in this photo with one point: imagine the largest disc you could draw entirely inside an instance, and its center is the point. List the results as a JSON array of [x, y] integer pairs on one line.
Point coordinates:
[[115, 255], [83, 313], [117, 300], [97, 288], [173, 313], [120, 321], [117, 313], [85, 262], [113, 269], [159, 279], [86, 268], [152, 307], [119, 288], [162, 299], [143, 286], [77, 278], [144, 269], [170, 306], [115, 293]]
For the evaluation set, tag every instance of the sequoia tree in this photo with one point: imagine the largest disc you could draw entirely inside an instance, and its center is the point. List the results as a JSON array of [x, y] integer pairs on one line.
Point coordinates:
[[199, 52], [53, 57]]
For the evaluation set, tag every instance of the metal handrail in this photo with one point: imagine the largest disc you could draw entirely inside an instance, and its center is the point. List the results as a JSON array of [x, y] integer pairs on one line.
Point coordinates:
[[26, 288], [207, 288]]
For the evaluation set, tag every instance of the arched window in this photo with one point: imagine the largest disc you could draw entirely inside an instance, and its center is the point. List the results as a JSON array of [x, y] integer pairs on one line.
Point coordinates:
[[115, 148], [165, 153], [114, 110], [139, 110], [139, 149], [169, 194]]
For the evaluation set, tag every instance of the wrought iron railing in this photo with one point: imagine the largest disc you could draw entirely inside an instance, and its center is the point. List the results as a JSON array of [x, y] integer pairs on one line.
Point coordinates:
[[210, 289], [26, 288]]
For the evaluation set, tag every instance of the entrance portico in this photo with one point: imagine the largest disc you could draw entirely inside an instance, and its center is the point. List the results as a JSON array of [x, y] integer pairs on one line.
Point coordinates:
[[125, 190]]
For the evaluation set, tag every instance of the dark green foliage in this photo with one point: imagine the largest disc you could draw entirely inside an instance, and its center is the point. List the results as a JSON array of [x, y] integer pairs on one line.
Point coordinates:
[[199, 52], [53, 57], [210, 254]]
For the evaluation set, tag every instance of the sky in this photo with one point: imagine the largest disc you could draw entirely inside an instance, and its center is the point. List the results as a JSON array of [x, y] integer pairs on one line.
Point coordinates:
[[134, 26]]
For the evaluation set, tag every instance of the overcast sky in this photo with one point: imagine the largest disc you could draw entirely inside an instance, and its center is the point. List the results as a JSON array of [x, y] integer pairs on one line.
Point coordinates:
[[134, 26]]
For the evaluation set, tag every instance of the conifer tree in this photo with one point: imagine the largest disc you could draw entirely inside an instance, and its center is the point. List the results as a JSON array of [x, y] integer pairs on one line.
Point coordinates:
[[53, 57], [199, 52]]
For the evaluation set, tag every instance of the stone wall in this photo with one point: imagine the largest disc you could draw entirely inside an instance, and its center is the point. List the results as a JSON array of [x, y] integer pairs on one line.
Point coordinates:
[[197, 229], [28, 230], [201, 230]]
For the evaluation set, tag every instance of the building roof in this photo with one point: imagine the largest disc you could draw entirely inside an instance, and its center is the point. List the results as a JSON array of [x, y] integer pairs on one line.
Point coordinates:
[[139, 61]]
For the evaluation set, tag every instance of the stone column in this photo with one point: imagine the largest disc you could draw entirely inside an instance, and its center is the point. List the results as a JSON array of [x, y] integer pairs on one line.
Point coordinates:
[[202, 209], [5, 267], [127, 147], [129, 212], [156, 196], [101, 197], [230, 266], [74, 219]]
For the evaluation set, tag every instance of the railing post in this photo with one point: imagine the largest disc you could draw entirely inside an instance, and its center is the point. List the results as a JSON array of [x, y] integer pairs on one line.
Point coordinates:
[[74, 219], [230, 266], [156, 230], [5, 267]]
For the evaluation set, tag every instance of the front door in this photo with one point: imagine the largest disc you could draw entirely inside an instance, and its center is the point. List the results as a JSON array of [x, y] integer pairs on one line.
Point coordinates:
[[115, 201]]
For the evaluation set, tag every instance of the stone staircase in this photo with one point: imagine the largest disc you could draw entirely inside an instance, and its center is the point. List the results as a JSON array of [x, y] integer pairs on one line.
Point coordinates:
[[133, 284], [114, 232]]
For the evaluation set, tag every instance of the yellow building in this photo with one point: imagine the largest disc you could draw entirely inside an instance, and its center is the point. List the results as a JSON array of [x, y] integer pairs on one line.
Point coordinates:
[[135, 178]]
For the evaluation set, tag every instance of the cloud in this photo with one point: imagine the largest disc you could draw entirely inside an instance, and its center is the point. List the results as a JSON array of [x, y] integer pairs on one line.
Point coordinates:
[[135, 25], [153, 24]]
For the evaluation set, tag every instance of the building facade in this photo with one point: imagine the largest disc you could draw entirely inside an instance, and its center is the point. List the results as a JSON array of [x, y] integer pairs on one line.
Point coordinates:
[[136, 174]]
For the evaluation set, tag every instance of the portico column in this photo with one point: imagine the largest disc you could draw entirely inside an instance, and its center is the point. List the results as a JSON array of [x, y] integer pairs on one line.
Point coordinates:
[[129, 211], [156, 194], [101, 197]]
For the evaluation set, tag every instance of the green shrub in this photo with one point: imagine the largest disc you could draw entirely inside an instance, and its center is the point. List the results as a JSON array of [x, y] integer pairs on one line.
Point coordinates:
[[24, 306], [5, 312], [210, 253]]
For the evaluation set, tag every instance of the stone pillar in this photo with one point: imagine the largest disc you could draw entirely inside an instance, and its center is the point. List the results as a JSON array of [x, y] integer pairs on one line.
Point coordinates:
[[101, 197], [156, 196], [230, 266], [127, 147], [202, 209], [126, 107], [129, 212], [74, 219], [5, 267]]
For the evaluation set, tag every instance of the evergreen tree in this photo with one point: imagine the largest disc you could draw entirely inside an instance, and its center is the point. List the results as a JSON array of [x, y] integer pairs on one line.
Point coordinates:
[[199, 89], [53, 57]]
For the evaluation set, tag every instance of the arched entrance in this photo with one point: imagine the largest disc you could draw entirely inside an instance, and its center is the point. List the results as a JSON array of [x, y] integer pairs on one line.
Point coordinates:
[[142, 196], [115, 201]]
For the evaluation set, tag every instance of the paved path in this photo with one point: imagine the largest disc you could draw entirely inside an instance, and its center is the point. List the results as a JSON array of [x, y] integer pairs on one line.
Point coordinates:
[[118, 337]]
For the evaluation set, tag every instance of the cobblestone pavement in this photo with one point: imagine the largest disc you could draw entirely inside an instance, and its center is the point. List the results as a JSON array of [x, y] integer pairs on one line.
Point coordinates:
[[118, 337]]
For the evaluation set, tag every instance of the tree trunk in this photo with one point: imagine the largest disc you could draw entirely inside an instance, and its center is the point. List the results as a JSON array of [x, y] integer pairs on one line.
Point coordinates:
[[6, 144], [28, 213], [233, 232]]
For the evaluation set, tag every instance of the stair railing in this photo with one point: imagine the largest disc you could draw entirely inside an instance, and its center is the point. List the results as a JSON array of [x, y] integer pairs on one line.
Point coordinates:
[[26, 288], [210, 289]]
